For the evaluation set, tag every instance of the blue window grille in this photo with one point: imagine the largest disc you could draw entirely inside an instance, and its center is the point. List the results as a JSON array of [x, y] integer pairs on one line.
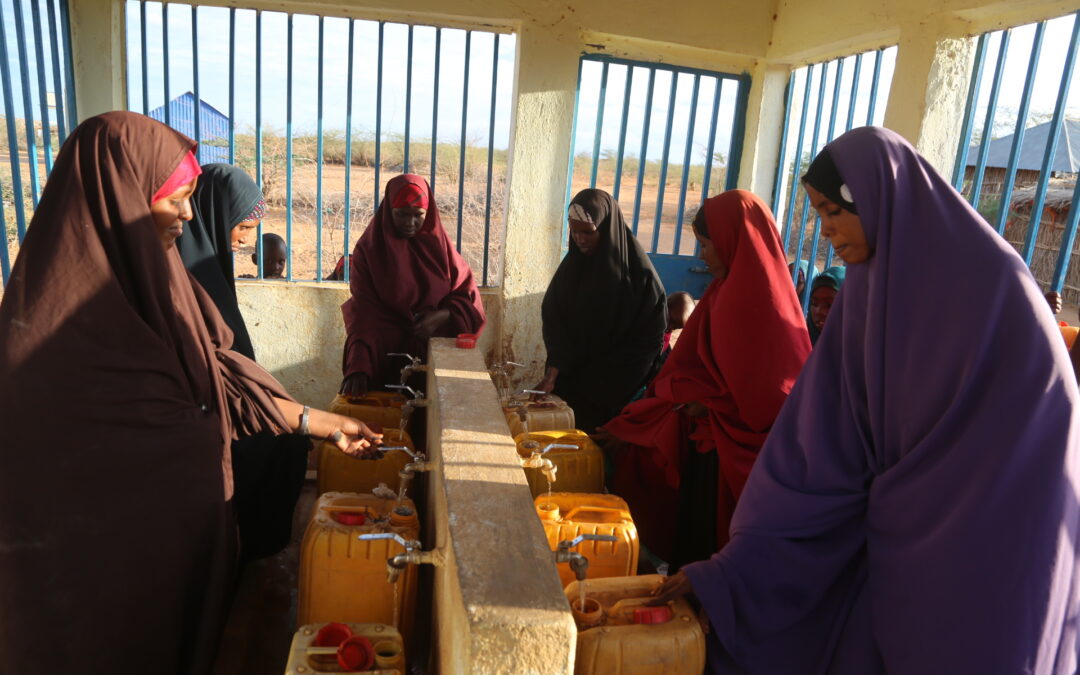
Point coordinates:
[[322, 111], [39, 108], [1016, 161], [659, 138], [823, 100]]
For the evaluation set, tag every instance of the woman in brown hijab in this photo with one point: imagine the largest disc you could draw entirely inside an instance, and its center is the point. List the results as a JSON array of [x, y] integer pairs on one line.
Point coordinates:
[[119, 397]]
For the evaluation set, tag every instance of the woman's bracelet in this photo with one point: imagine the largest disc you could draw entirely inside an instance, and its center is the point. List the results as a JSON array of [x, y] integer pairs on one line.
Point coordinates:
[[305, 419]]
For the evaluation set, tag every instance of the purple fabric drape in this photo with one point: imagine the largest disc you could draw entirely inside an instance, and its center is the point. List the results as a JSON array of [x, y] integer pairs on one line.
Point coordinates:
[[914, 509]]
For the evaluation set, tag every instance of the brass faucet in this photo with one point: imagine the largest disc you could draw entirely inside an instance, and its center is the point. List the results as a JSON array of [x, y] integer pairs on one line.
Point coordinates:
[[413, 366], [411, 556], [578, 563]]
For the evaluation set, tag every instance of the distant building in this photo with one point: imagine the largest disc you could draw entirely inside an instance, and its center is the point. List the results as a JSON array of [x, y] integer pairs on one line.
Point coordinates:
[[1066, 159], [213, 126]]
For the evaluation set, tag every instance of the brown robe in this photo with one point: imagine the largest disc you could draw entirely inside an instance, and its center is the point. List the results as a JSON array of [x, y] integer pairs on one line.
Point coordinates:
[[118, 399]]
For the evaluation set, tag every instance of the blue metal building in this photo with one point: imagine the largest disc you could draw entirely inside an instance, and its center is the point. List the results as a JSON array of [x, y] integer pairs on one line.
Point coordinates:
[[213, 126]]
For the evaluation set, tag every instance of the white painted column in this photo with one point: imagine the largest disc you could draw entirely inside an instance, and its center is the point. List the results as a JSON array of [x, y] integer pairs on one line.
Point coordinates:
[[99, 56]]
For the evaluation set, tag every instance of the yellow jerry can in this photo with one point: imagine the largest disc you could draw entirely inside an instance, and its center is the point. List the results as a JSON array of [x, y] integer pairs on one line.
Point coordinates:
[[550, 413], [377, 407], [373, 648], [565, 515], [579, 467], [339, 472]]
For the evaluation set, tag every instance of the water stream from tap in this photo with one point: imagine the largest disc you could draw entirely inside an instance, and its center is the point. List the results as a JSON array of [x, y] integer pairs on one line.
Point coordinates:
[[397, 600], [581, 595]]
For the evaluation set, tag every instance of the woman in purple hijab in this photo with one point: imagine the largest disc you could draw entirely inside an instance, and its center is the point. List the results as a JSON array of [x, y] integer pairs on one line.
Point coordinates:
[[914, 509]]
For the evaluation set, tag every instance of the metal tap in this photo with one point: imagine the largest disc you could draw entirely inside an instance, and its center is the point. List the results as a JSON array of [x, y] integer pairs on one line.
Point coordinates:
[[413, 366], [578, 563], [536, 459], [501, 374], [417, 401], [412, 555]]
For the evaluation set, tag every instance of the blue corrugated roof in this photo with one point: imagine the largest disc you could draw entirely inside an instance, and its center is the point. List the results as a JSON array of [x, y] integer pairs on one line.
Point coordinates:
[[1066, 159], [213, 125]]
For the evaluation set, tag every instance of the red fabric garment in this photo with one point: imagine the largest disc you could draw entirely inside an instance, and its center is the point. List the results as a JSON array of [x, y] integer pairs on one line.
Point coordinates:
[[394, 279], [739, 355], [187, 169]]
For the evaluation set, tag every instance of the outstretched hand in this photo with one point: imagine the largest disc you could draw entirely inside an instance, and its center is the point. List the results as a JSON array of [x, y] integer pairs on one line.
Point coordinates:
[[353, 437]]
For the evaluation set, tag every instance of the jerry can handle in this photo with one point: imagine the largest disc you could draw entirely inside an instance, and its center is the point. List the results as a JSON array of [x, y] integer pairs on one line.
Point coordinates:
[[602, 509], [628, 604], [321, 651]]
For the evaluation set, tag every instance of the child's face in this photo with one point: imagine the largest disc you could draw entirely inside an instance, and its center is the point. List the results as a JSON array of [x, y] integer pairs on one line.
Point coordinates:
[[821, 301], [273, 261], [678, 313]]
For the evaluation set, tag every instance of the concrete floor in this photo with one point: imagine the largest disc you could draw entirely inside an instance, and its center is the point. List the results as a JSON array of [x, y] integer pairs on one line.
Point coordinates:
[[263, 617]]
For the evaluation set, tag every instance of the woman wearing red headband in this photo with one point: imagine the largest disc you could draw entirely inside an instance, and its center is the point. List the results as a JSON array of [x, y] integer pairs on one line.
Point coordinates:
[[408, 284]]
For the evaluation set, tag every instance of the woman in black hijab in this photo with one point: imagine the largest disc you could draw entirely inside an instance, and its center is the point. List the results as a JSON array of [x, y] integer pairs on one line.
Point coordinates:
[[604, 314], [268, 470]]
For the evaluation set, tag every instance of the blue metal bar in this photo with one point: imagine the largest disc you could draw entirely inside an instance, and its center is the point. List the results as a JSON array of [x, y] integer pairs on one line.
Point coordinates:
[[835, 101], [288, 152], [165, 57], [622, 132], [969, 114], [1018, 141], [778, 183], [258, 133], [69, 66], [462, 147], [491, 155], [643, 155], [1068, 241], [614, 60], [710, 154], [197, 105], [806, 202], [408, 100], [28, 103], [319, 149], [686, 163], [854, 92], [378, 117], [1056, 124], [143, 58], [573, 139], [599, 125], [664, 163], [348, 153], [13, 137], [435, 111], [58, 82], [5, 265], [874, 87], [789, 212], [988, 125], [232, 85], [738, 132], [43, 98]]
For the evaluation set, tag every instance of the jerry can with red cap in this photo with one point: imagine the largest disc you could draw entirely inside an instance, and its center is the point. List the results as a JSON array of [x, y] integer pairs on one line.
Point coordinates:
[[565, 515], [619, 634], [549, 412], [374, 648], [375, 407], [339, 472], [344, 578], [578, 461]]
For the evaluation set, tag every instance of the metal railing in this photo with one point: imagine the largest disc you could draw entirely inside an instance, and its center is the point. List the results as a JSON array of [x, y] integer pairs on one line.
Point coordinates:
[[853, 101], [39, 107], [705, 111], [252, 72], [1017, 157]]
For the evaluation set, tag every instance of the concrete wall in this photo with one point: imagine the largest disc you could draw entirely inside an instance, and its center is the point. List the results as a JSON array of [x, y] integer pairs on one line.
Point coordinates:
[[298, 333], [498, 605]]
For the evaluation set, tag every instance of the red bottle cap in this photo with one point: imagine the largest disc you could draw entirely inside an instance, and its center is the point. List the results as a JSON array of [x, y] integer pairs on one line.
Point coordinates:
[[356, 653], [332, 635], [348, 518], [652, 615], [466, 340]]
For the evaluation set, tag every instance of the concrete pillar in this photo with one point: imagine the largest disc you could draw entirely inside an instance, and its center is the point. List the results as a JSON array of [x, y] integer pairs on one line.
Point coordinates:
[[97, 49], [764, 127], [498, 603], [929, 91], [547, 66]]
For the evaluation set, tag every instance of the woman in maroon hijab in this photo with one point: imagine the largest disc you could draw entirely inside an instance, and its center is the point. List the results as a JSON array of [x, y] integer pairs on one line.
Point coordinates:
[[408, 284], [696, 434], [119, 397]]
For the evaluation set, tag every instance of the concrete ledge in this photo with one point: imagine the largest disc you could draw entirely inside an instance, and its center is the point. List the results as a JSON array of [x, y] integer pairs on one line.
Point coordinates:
[[499, 606]]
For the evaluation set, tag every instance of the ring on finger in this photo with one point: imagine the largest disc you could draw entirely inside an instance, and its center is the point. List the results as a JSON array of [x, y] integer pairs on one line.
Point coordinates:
[[337, 436]]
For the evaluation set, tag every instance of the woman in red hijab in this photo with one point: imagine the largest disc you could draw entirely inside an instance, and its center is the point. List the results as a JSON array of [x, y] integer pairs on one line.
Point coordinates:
[[408, 284], [694, 438]]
